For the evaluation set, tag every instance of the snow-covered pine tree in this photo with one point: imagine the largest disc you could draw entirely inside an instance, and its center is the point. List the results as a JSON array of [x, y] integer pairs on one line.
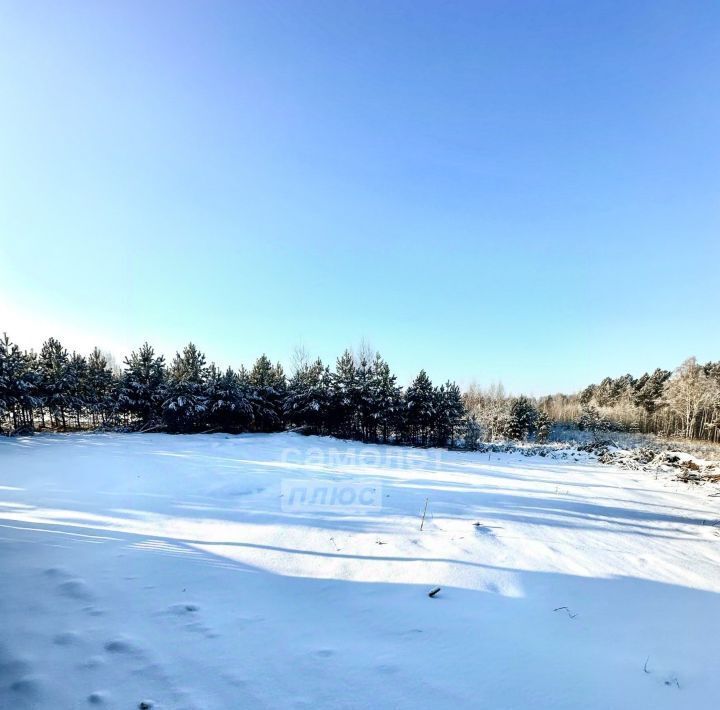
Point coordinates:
[[268, 385], [366, 405], [345, 397], [307, 400], [142, 386], [648, 390], [227, 404], [77, 384], [471, 432], [387, 399], [449, 411], [420, 409], [586, 396], [543, 427], [101, 388], [53, 364], [591, 420], [185, 405], [6, 380], [522, 419], [18, 386]]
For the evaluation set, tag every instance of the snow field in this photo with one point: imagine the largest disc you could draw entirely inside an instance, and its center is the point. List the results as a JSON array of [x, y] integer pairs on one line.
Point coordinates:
[[166, 570]]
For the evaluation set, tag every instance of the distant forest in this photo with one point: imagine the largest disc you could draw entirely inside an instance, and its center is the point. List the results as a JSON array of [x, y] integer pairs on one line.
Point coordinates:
[[358, 399]]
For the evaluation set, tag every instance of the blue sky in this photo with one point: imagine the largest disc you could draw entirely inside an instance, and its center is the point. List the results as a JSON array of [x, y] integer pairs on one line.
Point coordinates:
[[516, 191]]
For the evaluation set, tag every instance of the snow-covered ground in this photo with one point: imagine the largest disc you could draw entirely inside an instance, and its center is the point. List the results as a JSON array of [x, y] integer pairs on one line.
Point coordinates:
[[176, 571]]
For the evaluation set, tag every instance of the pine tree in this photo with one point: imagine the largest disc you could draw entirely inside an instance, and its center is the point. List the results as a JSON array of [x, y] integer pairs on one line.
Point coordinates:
[[185, 406], [420, 409], [18, 386], [522, 419], [648, 390], [345, 397], [5, 347], [101, 387], [308, 397], [543, 427], [471, 432], [77, 385], [590, 420], [387, 398], [449, 411], [142, 386], [268, 393], [228, 406], [366, 415], [53, 365]]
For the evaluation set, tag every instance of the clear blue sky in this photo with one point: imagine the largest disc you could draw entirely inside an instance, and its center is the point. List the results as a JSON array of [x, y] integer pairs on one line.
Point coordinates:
[[516, 191]]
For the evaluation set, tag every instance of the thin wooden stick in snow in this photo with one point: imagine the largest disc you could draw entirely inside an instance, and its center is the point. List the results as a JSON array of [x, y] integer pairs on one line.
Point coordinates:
[[422, 522]]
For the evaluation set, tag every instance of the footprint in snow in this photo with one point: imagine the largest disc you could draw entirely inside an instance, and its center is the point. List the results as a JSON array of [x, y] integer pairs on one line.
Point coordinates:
[[75, 589], [92, 663], [56, 573], [386, 668], [198, 628], [12, 666], [183, 608], [29, 686], [122, 645], [66, 638]]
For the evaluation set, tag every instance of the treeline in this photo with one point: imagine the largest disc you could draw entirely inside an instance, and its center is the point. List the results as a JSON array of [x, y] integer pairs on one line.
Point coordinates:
[[684, 403], [358, 399]]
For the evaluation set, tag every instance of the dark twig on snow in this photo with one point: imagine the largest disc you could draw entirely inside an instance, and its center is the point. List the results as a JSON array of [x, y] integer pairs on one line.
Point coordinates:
[[645, 668], [433, 592], [569, 613]]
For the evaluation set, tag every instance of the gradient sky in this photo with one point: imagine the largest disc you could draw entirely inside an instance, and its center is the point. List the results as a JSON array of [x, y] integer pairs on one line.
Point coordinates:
[[492, 190]]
